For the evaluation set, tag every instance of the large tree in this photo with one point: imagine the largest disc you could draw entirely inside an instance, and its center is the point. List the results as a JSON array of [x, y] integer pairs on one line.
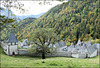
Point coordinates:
[[43, 39]]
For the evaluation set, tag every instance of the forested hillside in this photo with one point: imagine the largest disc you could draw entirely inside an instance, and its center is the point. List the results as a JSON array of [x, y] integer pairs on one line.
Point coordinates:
[[21, 30], [72, 20]]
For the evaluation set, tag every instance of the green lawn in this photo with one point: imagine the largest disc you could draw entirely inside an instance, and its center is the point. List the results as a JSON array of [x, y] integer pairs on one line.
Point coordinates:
[[36, 62]]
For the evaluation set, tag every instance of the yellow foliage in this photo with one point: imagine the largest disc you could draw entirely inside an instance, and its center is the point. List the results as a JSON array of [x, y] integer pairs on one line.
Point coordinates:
[[74, 38], [59, 28], [61, 40], [18, 33], [90, 13], [69, 10], [69, 40], [44, 25], [51, 20], [66, 8], [88, 0], [66, 39], [79, 38], [61, 35], [72, 23], [23, 31], [74, 9]]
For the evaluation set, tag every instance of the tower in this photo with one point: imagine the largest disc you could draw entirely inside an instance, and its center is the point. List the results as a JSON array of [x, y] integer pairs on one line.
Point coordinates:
[[12, 47]]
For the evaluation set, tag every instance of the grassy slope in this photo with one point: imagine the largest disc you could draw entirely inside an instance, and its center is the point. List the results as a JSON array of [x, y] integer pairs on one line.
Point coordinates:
[[27, 61]]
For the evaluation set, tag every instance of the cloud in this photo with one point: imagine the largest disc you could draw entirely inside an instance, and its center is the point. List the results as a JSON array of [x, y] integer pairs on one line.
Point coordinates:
[[34, 8]]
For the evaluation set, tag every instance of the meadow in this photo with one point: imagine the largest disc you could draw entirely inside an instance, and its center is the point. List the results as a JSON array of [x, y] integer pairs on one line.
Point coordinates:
[[49, 62]]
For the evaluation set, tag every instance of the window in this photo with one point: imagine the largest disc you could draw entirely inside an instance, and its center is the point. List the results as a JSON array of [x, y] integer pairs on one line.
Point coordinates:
[[15, 43]]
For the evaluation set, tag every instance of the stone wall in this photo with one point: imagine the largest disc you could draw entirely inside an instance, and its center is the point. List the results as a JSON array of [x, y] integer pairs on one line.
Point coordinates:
[[79, 55], [63, 54], [25, 52], [22, 51]]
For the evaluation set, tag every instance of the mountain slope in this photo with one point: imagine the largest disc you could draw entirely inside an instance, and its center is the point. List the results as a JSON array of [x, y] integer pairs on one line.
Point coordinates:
[[20, 29], [26, 16], [78, 20], [72, 21]]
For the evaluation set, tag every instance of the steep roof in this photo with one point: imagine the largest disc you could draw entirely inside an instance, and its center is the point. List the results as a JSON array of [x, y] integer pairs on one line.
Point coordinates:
[[79, 42], [91, 50], [60, 44], [12, 38]]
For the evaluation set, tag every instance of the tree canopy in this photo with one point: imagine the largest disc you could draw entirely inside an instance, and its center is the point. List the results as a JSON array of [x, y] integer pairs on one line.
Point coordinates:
[[44, 40]]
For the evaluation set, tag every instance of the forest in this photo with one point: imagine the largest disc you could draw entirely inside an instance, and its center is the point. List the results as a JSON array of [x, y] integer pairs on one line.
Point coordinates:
[[74, 20]]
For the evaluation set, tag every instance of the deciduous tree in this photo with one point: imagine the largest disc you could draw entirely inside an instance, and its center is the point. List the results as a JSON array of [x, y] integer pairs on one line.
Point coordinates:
[[44, 39]]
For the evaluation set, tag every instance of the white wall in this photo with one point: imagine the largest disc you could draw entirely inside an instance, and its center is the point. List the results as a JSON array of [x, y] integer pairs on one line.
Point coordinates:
[[13, 48], [23, 52], [79, 55]]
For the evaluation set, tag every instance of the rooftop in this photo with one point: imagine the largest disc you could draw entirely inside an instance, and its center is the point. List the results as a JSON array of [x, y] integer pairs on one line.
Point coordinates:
[[12, 38]]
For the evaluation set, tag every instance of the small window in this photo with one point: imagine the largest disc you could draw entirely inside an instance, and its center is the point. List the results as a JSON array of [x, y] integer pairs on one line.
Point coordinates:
[[11, 43], [15, 43]]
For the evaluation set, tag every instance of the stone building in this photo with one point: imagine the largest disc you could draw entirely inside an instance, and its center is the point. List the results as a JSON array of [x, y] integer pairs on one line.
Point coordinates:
[[80, 50], [12, 45]]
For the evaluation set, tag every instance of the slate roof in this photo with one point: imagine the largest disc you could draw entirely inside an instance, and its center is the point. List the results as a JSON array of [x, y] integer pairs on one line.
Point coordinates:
[[89, 42], [90, 50], [12, 38], [72, 45], [79, 42], [74, 50], [60, 44]]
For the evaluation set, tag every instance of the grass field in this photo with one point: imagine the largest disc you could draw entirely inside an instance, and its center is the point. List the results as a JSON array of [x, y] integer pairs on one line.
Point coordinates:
[[36, 62]]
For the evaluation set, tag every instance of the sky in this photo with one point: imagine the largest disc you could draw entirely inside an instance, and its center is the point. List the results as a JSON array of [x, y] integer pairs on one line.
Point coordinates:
[[34, 8]]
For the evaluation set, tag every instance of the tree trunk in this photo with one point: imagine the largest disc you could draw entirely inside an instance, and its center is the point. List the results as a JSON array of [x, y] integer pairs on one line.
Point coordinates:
[[43, 55]]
